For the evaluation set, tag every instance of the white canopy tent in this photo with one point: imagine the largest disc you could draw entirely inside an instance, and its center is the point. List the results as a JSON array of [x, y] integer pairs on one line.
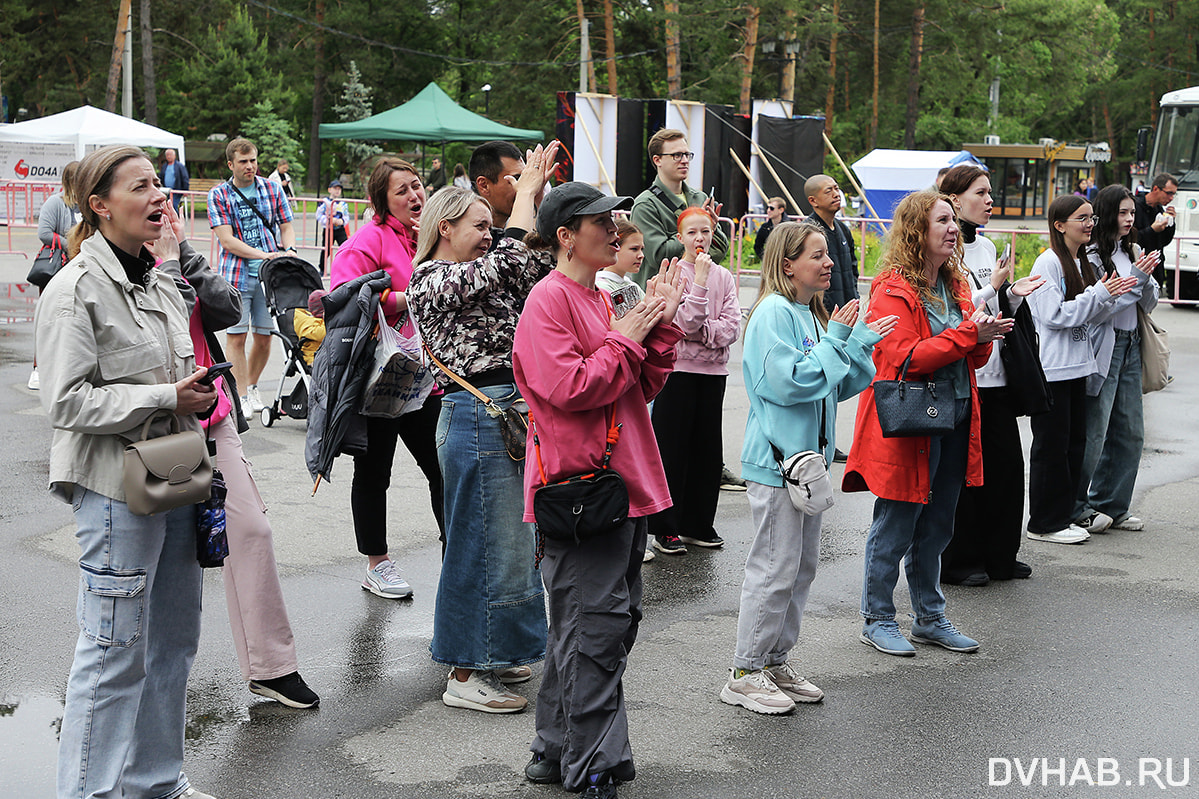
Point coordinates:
[[34, 153], [88, 128]]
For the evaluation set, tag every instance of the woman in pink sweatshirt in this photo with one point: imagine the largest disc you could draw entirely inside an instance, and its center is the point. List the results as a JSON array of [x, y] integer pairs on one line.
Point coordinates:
[[579, 367], [387, 243]]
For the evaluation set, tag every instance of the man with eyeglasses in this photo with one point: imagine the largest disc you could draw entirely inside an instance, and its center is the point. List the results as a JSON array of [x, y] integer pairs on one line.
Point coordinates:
[[1154, 220], [656, 210]]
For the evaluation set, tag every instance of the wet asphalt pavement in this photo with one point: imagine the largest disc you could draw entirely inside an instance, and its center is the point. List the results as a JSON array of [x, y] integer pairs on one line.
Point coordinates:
[[1093, 660]]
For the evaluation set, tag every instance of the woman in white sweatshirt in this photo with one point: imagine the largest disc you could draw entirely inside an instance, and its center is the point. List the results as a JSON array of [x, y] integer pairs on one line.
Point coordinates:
[[1071, 298], [989, 520]]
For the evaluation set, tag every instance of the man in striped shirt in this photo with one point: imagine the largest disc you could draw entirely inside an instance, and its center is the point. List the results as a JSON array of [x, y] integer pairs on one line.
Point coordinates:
[[252, 220]]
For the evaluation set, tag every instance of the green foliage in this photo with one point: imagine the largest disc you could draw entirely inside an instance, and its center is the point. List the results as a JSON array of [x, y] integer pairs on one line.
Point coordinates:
[[355, 104], [275, 139], [229, 73]]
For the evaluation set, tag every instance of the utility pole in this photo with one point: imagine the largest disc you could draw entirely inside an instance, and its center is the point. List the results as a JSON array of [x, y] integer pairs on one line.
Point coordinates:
[[118, 50], [127, 65]]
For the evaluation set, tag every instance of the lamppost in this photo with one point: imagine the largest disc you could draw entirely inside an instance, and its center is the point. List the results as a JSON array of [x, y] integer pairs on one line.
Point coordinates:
[[486, 99]]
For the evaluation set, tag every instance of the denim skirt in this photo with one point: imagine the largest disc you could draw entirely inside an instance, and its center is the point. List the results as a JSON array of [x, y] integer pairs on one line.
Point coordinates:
[[490, 601]]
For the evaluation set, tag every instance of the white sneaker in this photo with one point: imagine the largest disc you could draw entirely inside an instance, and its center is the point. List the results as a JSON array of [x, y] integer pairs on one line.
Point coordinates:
[[649, 555], [482, 691], [1131, 523], [1071, 535], [384, 580], [192, 793], [1096, 522], [253, 401], [757, 692], [35, 382], [514, 674], [792, 684]]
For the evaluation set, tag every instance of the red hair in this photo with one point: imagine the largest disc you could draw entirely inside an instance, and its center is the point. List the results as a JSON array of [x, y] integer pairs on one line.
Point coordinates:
[[689, 212]]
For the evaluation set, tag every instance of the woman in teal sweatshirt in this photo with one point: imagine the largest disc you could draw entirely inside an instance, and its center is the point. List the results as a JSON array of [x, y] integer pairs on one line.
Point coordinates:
[[798, 365]]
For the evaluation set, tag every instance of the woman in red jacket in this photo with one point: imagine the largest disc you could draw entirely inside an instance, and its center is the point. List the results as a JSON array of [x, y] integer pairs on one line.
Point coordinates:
[[917, 478]]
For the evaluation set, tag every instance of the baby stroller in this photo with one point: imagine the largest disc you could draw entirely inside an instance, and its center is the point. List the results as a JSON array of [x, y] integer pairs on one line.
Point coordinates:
[[287, 281]]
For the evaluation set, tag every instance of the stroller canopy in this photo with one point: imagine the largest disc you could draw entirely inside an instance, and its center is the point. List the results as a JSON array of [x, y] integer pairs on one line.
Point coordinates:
[[287, 282]]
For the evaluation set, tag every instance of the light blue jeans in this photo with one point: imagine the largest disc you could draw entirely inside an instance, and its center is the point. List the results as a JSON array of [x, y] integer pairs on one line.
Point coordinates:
[[779, 571], [1115, 434], [139, 626], [916, 533], [490, 610]]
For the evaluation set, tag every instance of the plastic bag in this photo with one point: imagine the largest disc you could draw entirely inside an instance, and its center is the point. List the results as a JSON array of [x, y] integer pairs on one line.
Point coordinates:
[[399, 382]]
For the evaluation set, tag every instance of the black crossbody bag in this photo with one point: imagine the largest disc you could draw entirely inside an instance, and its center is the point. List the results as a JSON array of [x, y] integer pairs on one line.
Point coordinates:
[[583, 506]]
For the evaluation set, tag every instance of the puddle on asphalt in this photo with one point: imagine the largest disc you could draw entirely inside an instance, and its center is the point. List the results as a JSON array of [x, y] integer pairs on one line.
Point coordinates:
[[28, 745]]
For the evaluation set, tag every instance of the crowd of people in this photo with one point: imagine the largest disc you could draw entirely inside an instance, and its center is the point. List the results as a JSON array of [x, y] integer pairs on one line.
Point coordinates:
[[531, 304]]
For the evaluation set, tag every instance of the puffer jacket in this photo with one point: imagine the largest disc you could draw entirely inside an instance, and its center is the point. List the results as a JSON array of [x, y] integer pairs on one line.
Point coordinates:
[[340, 370]]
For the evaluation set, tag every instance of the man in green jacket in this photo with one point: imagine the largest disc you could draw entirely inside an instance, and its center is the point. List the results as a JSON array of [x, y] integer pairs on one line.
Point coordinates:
[[656, 210]]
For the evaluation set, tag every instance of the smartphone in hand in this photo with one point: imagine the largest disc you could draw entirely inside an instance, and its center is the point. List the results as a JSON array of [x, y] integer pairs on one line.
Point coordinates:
[[215, 371]]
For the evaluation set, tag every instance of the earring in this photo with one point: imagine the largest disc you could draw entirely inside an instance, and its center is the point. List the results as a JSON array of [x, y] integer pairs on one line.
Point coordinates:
[[789, 274], [570, 251]]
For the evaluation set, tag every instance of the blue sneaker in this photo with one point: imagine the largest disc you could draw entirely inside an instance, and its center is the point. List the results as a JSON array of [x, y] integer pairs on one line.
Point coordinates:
[[884, 635], [940, 631]]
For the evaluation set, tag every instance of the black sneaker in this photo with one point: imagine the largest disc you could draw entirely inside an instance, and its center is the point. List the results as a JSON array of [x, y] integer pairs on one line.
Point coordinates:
[[730, 481], [712, 541], [839, 456], [600, 786], [669, 545], [543, 771], [290, 689]]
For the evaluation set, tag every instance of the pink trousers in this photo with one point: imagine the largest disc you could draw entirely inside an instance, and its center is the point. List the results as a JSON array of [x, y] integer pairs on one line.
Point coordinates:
[[261, 632]]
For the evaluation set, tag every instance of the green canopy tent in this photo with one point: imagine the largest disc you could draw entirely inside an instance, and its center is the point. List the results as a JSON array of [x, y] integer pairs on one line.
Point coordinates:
[[429, 116]]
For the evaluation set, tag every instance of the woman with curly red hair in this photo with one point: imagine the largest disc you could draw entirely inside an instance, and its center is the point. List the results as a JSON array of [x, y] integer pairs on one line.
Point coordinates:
[[917, 478]]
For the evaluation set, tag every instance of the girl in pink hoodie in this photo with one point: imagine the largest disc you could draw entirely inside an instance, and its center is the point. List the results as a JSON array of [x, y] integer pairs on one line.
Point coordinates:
[[687, 413]]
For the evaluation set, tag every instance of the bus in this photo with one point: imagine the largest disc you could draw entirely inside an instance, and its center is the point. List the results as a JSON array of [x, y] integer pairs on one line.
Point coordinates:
[[1176, 151]]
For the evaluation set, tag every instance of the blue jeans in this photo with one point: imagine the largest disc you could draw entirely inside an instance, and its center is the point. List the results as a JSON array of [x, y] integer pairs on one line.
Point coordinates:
[[916, 533], [490, 610], [139, 626], [1115, 434]]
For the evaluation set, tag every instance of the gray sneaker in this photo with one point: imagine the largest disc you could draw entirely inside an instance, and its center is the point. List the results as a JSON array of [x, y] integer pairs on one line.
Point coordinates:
[[384, 580], [757, 692], [792, 684]]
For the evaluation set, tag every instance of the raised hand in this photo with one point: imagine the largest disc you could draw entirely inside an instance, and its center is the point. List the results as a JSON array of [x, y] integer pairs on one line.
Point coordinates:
[[1004, 269], [847, 314], [990, 327], [884, 326], [668, 284], [1117, 285], [1148, 261], [1027, 285], [166, 246], [637, 323], [703, 267]]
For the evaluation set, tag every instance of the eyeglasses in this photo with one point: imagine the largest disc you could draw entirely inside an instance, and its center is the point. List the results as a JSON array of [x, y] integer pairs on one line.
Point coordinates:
[[1093, 219], [679, 157], [1168, 193]]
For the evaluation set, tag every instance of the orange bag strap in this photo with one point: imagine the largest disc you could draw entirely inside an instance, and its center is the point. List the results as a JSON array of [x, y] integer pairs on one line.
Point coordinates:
[[610, 440]]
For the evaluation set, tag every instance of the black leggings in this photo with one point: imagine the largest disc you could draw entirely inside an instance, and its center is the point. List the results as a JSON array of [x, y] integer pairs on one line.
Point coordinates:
[[372, 472]]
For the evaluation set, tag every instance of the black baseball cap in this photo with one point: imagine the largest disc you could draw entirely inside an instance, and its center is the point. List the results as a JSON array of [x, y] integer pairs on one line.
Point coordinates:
[[336, 183], [569, 200]]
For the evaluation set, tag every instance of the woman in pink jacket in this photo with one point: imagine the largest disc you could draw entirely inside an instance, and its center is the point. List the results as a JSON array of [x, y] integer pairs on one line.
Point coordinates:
[[578, 368], [387, 243]]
